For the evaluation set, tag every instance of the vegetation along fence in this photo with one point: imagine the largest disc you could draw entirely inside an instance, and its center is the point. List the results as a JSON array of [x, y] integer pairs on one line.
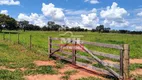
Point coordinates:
[[59, 50]]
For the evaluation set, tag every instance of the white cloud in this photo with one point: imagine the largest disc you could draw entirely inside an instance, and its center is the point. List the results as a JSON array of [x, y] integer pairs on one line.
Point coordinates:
[[4, 12], [50, 10], [76, 12], [9, 2], [139, 14], [114, 16], [91, 19], [72, 22], [34, 18], [92, 1], [139, 28]]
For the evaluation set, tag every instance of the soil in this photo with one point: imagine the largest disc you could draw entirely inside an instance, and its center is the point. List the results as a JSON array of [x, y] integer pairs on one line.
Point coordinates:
[[4, 68], [80, 72], [137, 61], [137, 72]]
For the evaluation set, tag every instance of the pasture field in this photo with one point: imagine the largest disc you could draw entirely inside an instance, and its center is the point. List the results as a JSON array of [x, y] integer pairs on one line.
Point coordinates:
[[17, 61], [40, 40]]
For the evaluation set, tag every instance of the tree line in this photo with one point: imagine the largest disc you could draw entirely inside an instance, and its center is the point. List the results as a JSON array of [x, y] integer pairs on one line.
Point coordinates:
[[9, 23]]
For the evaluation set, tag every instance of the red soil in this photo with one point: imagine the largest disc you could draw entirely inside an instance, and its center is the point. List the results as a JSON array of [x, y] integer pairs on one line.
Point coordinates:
[[81, 72]]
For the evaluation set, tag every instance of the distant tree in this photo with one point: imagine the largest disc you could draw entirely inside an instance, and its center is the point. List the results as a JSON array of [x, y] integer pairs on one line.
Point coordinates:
[[67, 28], [93, 30], [56, 27], [123, 31], [86, 30], [44, 28], [23, 24], [50, 24], [9, 22], [1, 27], [100, 28], [107, 30]]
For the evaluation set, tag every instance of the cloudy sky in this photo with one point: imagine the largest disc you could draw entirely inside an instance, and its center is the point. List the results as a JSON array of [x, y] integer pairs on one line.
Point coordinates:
[[116, 14]]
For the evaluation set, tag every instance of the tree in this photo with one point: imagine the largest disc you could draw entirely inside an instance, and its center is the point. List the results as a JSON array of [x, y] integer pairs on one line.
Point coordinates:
[[45, 28], [93, 30], [107, 30], [9, 22], [100, 28], [56, 27], [23, 24], [50, 24]]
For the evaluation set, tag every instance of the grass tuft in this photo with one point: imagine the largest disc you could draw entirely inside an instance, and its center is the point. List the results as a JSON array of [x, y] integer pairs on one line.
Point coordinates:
[[89, 78]]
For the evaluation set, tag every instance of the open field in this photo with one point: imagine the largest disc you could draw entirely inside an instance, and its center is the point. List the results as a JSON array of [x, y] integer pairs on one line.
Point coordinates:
[[40, 40], [19, 62]]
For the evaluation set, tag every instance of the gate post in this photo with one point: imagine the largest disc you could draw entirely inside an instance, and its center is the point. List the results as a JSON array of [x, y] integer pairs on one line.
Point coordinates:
[[124, 62], [74, 51], [49, 46]]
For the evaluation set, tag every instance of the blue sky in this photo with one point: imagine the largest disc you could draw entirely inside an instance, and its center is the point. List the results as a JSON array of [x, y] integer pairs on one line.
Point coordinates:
[[116, 14]]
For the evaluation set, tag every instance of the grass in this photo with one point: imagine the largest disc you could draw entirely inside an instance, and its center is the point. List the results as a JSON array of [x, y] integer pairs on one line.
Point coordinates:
[[68, 73], [40, 40], [89, 78], [60, 64], [138, 77], [11, 75], [20, 56], [41, 70], [135, 66], [65, 77], [16, 56], [46, 70]]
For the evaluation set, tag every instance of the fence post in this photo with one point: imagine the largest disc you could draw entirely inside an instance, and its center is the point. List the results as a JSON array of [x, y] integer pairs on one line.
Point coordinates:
[[125, 62], [18, 38], [30, 42], [49, 46], [3, 36], [121, 61], [74, 51]]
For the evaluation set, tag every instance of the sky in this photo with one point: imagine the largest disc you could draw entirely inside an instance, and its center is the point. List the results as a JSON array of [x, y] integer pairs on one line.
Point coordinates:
[[116, 14]]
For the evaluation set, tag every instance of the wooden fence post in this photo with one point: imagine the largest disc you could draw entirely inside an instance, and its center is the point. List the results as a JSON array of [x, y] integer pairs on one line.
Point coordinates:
[[124, 62], [30, 42], [3, 36], [49, 46], [18, 38], [121, 61], [74, 51]]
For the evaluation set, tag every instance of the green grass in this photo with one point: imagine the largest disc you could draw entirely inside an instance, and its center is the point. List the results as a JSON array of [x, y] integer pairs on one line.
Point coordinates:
[[20, 56], [67, 74], [11, 75], [135, 66], [70, 72], [41, 70], [138, 77], [15, 57], [60, 64], [40, 40], [89, 78]]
